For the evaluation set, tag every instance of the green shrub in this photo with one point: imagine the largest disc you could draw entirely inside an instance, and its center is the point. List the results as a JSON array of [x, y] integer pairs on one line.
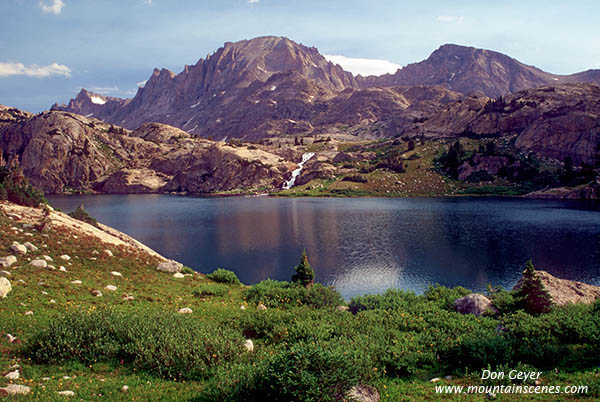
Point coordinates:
[[14, 187], [165, 344], [278, 294], [392, 299], [443, 296], [224, 276], [82, 215], [187, 271], [506, 302], [210, 289]]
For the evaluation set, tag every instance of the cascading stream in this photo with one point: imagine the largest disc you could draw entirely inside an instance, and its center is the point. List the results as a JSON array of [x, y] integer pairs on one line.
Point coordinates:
[[305, 158]]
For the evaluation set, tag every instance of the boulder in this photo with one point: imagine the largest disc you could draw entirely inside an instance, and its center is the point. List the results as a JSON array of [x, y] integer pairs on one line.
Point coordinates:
[[6, 262], [249, 345], [13, 375], [178, 275], [96, 293], [170, 266], [564, 291], [14, 389], [47, 258], [115, 273], [18, 248], [108, 253], [30, 246], [66, 393], [185, 310], [363, 393], [262, 306], [5, 287], [112, 288], [474, 303], [39, 263], [65, 257]]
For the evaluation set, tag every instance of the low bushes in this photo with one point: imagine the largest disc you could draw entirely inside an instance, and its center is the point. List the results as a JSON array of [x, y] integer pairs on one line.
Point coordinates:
[[15, 188], [224, 276], [164, 344], [210, 289], [284, 295]]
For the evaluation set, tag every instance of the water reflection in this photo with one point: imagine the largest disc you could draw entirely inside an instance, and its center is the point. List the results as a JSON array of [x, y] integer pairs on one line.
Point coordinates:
[[363, 245]]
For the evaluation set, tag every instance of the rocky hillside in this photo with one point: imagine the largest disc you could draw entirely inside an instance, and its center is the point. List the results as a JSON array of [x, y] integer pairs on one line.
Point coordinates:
[[61, 152], [467, 69], [555, 121], [272, 86]]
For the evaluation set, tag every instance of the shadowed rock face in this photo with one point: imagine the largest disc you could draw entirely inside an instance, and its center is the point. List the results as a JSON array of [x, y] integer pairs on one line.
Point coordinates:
[[60, 151], [274, 86], [558, 122]]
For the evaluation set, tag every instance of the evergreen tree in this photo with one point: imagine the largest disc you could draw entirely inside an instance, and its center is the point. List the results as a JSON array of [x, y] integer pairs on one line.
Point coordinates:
[[304, 275], [532, 295]]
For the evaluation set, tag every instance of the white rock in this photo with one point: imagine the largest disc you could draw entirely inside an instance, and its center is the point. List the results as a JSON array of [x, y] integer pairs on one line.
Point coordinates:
[[6, 262], [249, 345], [29, 234], [436, 379], [45, 378], [30, 247], [185, 310], [5, 287], [178, 275], [115, 273], [13, 216], [47, 258], [170, 266], [65, 257], [66, 393], [51, 267], [127, 297], [62, 269], [124, 389], [95, 252], [77, 282], [13, 375], [44, 293], [11, 339], [18, 248], [5, 273], [262, 306], [96, 293], [108, 253], [22, 282], [39, 263], [14, 389], [52, 301], [112, 288], [242, 307], [29, 312]]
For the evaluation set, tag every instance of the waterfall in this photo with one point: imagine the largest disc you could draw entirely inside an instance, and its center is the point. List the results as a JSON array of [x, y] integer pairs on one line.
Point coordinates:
[[305, 158]]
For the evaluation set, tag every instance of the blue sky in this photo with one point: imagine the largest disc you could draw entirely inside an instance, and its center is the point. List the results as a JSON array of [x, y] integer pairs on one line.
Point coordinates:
[[52, 48]]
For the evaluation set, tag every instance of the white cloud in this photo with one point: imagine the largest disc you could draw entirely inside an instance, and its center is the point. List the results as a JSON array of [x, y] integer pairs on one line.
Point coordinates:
[[363, 67], [149, 2], [450, 19], [55, 6], [253, 1], [8, 69], [141, 84]]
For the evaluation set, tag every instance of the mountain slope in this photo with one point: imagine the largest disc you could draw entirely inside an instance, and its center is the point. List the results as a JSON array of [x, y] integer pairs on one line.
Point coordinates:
[[468, 69], [272, 86]]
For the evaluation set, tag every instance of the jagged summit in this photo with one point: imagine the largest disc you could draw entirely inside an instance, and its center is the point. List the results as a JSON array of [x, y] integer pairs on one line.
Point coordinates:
[[246, 87]]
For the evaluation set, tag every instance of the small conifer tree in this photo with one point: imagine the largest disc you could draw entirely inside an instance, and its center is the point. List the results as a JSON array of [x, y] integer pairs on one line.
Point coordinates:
[[304, 275], [532, 295]]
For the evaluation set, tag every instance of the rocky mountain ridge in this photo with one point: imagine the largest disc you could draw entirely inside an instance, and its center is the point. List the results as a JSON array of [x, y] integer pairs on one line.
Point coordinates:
[[61, 152], [272, 86]]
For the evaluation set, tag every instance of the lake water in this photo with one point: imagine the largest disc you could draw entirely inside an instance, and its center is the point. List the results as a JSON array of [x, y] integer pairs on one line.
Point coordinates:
[[363, 245]]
